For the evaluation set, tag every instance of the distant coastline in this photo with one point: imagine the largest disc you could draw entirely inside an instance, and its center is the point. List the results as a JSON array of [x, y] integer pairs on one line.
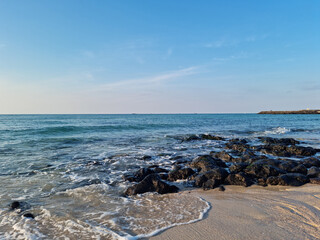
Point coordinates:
[[291, 112]]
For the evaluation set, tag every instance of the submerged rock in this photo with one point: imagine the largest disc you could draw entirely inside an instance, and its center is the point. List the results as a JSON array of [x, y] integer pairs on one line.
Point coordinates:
[[211, 137], [151, 183], [15, 205], [28, 215], [289, 179]]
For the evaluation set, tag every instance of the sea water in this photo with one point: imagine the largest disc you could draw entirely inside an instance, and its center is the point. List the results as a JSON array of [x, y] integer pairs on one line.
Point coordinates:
[[67, 169]]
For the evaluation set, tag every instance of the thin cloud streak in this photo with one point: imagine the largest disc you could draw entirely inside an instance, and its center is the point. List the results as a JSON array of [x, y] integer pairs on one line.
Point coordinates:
[[149, 80]]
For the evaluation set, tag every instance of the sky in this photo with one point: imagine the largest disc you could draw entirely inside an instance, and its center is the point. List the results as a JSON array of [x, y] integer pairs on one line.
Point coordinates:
[[168, 56]]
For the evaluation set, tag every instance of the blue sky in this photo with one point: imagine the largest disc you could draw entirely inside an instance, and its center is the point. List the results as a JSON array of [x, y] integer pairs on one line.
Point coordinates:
[[165, 56]]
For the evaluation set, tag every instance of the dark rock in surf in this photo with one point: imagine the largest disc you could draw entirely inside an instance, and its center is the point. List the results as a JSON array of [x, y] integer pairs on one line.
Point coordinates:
[[206, 162], [289, 179], [223, 155], [285, 141], [151, 183], [15, 205], [183, 173], [237, 146], [288, 151], [146, 158], [211, 137], [28, 215], [138, 175]]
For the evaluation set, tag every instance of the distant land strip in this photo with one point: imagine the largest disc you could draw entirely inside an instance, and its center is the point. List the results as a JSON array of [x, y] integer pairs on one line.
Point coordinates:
[[291, 112]]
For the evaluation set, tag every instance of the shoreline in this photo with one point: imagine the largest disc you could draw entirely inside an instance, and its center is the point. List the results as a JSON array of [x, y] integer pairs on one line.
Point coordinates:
[[273, 212]]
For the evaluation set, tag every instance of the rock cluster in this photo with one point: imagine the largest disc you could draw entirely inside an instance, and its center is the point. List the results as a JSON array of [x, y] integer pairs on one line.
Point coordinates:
[[239, 163]]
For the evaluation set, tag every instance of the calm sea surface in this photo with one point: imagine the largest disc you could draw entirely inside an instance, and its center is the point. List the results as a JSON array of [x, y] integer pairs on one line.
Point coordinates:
[[68, 169]]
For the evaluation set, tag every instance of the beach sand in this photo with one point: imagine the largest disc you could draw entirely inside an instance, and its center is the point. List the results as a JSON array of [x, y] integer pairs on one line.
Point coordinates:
[[255, 212]]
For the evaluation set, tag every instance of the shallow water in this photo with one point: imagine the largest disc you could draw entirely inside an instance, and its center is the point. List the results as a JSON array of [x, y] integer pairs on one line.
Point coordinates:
[[69, 168]]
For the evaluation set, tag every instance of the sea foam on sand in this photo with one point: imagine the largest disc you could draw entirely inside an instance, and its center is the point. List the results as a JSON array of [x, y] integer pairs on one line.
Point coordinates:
[[255, 213]]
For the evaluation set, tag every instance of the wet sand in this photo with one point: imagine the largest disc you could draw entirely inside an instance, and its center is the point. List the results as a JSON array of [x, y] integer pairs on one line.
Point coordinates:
[[254, 213]]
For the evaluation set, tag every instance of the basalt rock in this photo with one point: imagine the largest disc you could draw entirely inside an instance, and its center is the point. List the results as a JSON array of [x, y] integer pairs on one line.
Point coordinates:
[[311, 162], [285, 141], [237, 146], [300, 168], [151, 183], [211, 137], [238, 167], [289, 179], [183, 173], [314, 172], [28, 215], [262, 170], [223, 155], [315, 180], [138, 175], [211, 179], [206, 162], [241, 179], [288, 151]]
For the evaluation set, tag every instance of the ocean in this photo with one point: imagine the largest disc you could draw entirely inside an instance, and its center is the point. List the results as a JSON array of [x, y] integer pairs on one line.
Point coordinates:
[[67, 169]]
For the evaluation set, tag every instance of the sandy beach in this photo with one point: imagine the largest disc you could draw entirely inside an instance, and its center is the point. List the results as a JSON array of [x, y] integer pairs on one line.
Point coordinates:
[[273, 212]]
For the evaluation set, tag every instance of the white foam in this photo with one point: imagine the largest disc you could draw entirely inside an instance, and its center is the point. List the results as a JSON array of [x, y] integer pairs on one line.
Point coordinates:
[[201, 216], [278, 130]]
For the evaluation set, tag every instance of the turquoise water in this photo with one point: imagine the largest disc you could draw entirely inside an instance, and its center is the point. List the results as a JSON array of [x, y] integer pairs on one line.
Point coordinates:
[[54, 162]]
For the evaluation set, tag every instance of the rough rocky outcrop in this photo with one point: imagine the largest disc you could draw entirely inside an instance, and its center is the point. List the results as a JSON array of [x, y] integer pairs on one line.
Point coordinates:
[[138, 175], [151, 183], [206, 162], [241, 179], [289, 179], [285, 141], [183, 173], [288, 151]]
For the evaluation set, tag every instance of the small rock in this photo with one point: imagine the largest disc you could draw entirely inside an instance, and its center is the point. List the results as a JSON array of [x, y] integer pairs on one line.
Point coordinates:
[[15, 205], [222, 188], [28, 215], [151, 183]]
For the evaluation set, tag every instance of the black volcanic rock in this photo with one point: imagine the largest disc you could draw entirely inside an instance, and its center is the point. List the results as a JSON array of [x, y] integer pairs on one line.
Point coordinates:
[[241, 179], [223, 155], [314, 172], [138, 175], [152, 183], [288, 151], [206, 162], [285, 141], [311, 162], [183, 173], [289, 179]]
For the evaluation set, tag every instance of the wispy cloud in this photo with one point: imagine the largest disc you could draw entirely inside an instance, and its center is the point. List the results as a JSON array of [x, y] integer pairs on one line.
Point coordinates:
[[227, 42], [153, 80]]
